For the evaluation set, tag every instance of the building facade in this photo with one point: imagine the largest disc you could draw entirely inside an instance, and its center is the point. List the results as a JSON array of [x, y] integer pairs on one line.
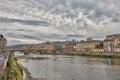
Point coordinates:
[[70, 46], [89, 45], [111, 43]]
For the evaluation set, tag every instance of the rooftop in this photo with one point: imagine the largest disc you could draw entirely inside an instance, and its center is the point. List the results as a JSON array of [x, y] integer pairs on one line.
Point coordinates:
[[112, 37]]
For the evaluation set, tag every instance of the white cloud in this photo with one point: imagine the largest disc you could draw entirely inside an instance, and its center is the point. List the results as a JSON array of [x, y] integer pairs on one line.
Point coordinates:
[[65, 17]]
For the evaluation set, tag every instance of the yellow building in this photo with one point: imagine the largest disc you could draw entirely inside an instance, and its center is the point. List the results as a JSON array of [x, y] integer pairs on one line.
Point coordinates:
[[88, 45], [49, 46], [41, 46]]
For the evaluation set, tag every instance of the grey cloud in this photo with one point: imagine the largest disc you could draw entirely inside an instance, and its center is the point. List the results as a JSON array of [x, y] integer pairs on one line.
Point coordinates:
[[75, 35], [37, 36], [98, 36], [51, 36], [23, 30], [31, 37], [25, 22], [14, 42], [115, 20], [66, 18]]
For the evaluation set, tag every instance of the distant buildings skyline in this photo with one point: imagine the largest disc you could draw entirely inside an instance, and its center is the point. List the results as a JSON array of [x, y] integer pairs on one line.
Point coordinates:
[[110, 44]]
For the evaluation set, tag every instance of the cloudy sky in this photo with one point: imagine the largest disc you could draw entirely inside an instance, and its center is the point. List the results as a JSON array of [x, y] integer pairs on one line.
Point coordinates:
[[34, 21]]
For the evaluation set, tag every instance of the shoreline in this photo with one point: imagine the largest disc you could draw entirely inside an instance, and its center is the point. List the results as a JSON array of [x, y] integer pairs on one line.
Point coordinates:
[[84, 54], [90, 54], [112, 55], [27, 74]]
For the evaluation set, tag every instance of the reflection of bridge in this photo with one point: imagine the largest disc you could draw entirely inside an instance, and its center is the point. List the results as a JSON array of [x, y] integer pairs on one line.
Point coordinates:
[[27, 51]]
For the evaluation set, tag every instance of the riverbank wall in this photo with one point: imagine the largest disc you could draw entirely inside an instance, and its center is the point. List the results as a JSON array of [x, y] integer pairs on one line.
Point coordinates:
[[13, 71]]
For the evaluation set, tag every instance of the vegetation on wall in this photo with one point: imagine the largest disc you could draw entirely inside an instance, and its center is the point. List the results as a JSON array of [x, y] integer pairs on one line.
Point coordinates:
[[13, 70]]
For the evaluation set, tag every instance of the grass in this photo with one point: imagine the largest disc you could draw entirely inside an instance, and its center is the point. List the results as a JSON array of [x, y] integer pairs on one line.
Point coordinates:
[[94, 55], [13, 70]]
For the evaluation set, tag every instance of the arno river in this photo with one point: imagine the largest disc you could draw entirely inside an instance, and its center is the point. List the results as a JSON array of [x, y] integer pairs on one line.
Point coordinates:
[[60, 67]]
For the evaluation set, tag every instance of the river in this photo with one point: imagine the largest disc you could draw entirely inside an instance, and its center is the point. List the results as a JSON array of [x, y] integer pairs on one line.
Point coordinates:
[[61, 67]]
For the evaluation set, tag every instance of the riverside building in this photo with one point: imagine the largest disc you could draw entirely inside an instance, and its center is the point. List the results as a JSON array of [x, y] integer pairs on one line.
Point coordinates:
[[112, 43], [89, 45]]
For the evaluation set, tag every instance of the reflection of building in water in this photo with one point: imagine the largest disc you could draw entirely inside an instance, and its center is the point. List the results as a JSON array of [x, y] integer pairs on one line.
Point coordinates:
[[115, 61], [111, 61], [3, 43]]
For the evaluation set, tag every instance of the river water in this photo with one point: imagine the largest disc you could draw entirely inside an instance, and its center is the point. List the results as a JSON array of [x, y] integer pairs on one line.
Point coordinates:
[[60, 67]]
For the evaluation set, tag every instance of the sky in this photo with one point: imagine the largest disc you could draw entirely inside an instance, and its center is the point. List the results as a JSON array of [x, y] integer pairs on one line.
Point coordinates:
[[35, 21]]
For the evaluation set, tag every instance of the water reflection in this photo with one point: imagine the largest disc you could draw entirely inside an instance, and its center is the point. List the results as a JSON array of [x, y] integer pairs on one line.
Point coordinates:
[[115, 61], [60, 67], [111, 62]]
